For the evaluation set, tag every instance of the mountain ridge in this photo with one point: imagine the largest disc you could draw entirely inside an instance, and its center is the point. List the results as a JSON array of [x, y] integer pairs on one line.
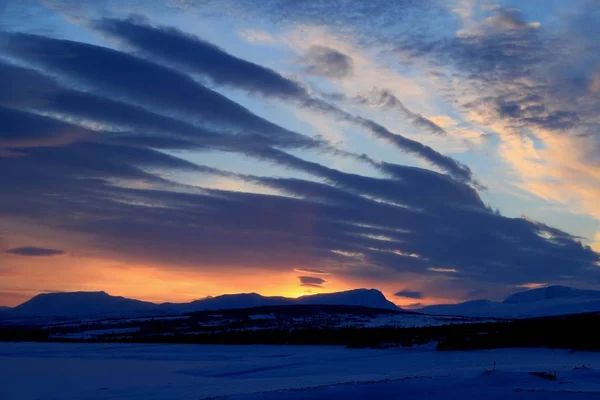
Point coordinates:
[[546, 301], [551, 293], [100, 303]]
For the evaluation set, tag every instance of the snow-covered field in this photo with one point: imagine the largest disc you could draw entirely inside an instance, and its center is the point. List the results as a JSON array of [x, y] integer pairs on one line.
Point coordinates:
[[181, 372]]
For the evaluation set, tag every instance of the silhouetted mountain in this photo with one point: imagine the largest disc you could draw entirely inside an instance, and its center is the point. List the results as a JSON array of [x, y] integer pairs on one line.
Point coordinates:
[[101, 304], [551, 293], [80, 304], [548, 301], [474, 308], [358, 297], [225, 302]]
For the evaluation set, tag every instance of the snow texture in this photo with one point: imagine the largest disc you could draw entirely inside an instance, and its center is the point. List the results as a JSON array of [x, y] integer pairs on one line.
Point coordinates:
[[542, 302], [30, 371]]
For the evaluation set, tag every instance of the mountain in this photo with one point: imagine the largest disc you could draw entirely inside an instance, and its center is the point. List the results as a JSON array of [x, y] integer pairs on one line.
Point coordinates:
[[371, 298], [358, 297], [80, 304], [551, 293], [547, 301], [474, 308], [101, 304], [225, 302]]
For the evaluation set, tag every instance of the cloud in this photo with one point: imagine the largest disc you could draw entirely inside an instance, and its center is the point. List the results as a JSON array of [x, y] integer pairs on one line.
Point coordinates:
[[409, 294], [412, 306], [512, 70], [532, 285], [363, 88], [384, 98], [501, 21], [328, 62], [531, 86], [32, 251], [311, 271], [314, 228], [443, 270], [114, 73], [311, 281], [22, 129], [122, 182], [445, 163], [173, 47], [222, 68], [126, 120]]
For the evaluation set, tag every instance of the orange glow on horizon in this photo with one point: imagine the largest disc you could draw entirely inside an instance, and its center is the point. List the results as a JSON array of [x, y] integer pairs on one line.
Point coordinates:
[[25, 278]]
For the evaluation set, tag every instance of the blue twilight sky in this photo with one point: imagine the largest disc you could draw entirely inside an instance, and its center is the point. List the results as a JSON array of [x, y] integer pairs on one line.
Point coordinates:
[[171, 150]]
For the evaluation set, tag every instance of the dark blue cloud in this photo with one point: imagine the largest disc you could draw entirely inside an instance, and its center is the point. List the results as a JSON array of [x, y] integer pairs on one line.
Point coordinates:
[[34, 91], [432, 186], [136, 80], [322, 226], [192, 53], [409, 294], [179, 135], [311, 271], [43, 94], [24, 129], [178, 47], [311, 281], [328, 62], [386, 99], [445, 163], [32, 251], [527, 74], [409, 221]]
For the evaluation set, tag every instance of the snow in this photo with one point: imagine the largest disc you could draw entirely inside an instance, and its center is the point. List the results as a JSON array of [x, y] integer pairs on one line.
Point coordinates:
[[552, 293], [95, 333], [47, 371], [261, 316], [415, 320], [547, 301]]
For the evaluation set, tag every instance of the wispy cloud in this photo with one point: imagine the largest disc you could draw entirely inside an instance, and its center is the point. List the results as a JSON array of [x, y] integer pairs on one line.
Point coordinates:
[[32, 251], [328, 62], [103, 141], [172, 46], [410, 294], [311, 281]]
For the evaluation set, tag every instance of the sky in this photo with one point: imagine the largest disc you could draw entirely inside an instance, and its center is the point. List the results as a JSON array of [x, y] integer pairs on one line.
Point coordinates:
[[439, 151]]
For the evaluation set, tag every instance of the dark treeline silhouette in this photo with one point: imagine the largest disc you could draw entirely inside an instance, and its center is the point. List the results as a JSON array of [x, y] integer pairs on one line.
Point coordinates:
[[578, 332]]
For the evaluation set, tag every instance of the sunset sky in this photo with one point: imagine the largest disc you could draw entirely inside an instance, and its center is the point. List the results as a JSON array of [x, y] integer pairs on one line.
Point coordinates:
[[439, 151]]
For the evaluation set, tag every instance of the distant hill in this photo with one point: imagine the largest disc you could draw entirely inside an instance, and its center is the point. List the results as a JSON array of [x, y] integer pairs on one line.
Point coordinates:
[[80, 304], [224, 302], [552, 293], [547, 301], [469, 308], [358, 297], [101, 304]]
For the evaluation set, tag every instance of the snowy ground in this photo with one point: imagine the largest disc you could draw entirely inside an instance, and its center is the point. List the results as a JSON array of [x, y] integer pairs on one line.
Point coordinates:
[[181, 372]]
